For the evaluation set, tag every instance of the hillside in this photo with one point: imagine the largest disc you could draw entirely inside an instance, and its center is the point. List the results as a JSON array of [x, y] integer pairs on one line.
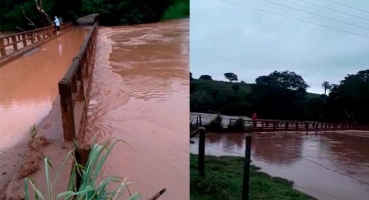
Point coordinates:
[[245, 88]]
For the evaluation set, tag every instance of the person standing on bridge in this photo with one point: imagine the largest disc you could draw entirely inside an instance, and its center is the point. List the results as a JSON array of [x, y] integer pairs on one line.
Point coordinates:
[[57, 25], [254, 118]]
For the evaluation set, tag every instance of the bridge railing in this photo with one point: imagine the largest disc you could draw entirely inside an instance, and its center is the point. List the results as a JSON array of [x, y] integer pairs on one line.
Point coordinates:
[[75, 86], [275, 125], [282, 125], [12, 43]]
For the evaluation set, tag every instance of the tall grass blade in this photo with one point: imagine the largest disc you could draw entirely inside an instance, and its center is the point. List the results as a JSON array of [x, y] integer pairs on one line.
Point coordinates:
[[49, 192], [61, 167]]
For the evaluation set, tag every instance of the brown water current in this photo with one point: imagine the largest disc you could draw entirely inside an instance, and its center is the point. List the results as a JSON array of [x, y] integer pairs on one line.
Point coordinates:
[[28, 91], [140, 93], [328, 165]]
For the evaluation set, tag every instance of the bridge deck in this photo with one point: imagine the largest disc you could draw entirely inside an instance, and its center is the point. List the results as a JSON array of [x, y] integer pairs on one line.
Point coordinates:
[[29, 85]]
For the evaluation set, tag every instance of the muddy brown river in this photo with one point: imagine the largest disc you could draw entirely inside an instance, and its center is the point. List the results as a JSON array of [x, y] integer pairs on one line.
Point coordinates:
[[141, 94], [328, 166], [28, 93]]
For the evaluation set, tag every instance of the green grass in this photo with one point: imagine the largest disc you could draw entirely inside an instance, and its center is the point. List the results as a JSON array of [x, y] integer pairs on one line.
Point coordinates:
[[89, 188], [180, 9], [224, 181]]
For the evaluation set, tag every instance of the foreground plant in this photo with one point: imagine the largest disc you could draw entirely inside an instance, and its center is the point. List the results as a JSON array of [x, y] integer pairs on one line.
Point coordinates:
[[33, 131], [88, 188]]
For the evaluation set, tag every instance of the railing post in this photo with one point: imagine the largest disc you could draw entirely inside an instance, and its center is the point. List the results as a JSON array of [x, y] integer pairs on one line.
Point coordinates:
[[2, 47], [287, 126], [67, 110], [24, 40], [246, 169], [297, 126], [14, 41], [202, 154], [200, 120]]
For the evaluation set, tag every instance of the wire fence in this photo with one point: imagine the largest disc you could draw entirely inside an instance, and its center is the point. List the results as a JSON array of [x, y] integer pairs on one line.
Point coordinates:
[[307, 158]]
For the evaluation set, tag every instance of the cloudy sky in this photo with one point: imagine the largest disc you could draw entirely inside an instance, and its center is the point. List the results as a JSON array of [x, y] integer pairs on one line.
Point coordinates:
[[225, 37]]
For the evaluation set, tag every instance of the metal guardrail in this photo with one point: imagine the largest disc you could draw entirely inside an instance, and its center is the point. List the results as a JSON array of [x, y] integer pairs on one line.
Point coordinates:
[[75, 86]]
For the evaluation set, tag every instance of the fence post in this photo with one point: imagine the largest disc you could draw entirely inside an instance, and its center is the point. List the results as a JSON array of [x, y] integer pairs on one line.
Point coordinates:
[[202, 154], [246, 169]]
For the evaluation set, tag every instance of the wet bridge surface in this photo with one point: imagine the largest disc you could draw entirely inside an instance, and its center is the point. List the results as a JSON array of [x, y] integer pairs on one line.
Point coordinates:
[[28, 90]]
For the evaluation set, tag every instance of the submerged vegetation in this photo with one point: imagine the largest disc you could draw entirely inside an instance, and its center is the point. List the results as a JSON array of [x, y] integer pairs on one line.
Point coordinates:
[[89, 174], [28, 14], [283, 95], [224, 181]]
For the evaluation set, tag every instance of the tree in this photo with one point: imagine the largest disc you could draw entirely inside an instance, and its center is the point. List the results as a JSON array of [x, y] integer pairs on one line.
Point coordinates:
[[280, 95], [231, 76], [191, 76], [284, 79], [326, 86], [235, 88], [206, 77], [350, 96], [214, 93]]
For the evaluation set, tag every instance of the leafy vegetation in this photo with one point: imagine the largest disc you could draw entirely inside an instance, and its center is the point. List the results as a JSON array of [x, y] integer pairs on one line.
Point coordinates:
[[112, 12], [33, 131], [88, 188], [283, 95], [224, 181], [180, 9]]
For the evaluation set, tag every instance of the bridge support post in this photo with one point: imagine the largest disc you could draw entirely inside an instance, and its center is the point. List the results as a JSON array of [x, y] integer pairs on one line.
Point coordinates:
[[67, 110]]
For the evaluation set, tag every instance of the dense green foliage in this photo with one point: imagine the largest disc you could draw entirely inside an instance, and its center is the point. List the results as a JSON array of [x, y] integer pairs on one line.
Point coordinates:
[[282, 95], [112, 12], [180, 9], [224, 181]]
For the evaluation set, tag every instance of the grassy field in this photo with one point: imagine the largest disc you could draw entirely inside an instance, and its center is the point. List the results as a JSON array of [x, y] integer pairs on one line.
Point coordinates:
[[224, 181], [180, 9]]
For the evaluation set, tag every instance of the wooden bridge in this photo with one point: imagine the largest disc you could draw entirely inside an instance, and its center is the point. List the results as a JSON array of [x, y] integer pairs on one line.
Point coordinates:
[[75, 85], [15, 45], [264, 125]]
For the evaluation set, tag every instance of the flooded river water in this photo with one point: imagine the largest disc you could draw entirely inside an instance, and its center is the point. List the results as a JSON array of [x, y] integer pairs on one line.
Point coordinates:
[[329, 165], [140, 93], [29, 85], [28, 94]]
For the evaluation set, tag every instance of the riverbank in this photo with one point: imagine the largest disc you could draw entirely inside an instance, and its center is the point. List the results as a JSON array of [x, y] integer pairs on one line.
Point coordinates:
[[224, 181]]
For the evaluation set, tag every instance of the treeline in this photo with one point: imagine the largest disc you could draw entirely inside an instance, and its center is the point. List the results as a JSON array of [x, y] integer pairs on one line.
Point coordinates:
[[29, 14], [283, 95]]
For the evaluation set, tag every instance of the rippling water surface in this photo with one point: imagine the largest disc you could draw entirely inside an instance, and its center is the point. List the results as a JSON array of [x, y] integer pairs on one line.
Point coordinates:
[[329, 165], [141, 94]]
